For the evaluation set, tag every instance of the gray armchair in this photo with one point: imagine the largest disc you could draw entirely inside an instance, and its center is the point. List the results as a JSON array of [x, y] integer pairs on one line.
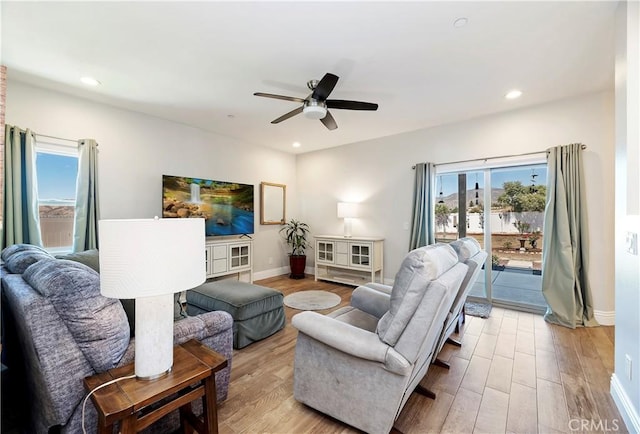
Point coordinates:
[[470, 253], [361, 363]]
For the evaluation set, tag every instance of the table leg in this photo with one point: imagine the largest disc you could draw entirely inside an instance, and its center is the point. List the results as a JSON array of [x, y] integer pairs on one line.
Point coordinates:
[[128, 424], [105, 429], [210, 405], [187, 419]]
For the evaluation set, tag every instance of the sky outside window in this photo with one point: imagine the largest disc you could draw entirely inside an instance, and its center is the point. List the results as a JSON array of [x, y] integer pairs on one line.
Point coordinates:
[[448, 183], [56, 176]]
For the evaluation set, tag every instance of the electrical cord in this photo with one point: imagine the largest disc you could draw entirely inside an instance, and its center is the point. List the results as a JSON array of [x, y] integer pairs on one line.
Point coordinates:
[[84, 403]]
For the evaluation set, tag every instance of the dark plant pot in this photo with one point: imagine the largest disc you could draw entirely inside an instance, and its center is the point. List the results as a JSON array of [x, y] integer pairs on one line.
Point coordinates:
[[497, 267], [297, 264], [522, 241]]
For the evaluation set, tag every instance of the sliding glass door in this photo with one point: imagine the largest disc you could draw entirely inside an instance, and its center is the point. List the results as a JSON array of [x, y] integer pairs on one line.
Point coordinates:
[[507, 220], [460, 211]]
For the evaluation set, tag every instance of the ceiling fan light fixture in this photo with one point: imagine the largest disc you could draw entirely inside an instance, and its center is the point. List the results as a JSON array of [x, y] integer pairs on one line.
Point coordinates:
[[314, 110], [316, 105]]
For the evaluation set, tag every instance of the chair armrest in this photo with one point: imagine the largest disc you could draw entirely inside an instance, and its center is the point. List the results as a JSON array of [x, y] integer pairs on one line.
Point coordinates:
[[350, 340], [370, 300], [201, 326], [129, 354], [380, 287], [342, 336], [198, 327]]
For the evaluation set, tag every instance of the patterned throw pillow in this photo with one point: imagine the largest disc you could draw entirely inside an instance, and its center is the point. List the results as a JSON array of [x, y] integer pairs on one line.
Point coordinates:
[[19, 261], [15, 248], [98, 324]]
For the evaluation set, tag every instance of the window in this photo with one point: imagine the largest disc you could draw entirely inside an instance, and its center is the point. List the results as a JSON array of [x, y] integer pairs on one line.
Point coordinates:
[[56, 172]]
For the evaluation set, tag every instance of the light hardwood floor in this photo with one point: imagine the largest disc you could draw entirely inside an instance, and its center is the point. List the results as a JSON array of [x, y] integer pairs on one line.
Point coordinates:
[[513, 374]]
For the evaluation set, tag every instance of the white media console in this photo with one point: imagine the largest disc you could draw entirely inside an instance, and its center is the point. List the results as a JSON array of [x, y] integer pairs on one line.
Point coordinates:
[[224, 257], [353, 261]]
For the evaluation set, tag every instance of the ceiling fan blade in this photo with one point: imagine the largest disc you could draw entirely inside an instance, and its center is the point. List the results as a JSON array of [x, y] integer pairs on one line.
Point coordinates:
[[329, 121], [350, 105], [286, 98], [291, 114], [324, 87]]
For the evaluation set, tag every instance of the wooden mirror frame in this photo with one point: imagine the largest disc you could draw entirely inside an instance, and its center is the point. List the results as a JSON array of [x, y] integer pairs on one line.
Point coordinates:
[[273, 203]]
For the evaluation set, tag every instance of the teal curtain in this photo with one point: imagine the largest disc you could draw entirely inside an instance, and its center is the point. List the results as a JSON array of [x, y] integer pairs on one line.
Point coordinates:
[[565, 285], [21, 219], [422, 223], [85, 226]]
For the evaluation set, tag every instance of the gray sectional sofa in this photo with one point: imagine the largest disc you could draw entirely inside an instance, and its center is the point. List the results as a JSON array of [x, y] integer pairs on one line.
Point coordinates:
[[58, 329]]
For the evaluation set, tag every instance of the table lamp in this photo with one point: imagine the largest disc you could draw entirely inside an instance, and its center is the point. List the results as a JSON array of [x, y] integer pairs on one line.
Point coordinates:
[[347, 211], [150, 260]]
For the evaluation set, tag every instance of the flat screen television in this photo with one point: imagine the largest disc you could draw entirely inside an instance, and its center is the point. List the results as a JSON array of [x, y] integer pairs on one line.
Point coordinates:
[[227, 207]]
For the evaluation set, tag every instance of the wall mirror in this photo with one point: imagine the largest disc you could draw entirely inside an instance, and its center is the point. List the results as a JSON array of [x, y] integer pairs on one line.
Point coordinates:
[[273, 203]]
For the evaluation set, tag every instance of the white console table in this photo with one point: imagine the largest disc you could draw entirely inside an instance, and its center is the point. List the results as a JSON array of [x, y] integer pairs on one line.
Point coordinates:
[[229, 256], [354, 260]]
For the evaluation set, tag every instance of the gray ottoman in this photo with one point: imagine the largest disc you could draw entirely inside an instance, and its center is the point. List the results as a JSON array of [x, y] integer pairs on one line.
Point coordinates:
[[257, 312]]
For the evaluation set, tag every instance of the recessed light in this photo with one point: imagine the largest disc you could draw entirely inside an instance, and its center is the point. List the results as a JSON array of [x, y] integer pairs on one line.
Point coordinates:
[[460, 22], [513, 94], [89, 81], [296, 144]]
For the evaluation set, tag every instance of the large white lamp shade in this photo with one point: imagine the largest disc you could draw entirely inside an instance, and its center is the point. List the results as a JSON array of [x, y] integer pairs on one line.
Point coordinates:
[[150, 260], [347, 211]]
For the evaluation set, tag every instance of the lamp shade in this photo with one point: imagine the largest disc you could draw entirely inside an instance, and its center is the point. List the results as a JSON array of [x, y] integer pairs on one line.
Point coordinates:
[[149, 260], [150, 257], [347, 210]]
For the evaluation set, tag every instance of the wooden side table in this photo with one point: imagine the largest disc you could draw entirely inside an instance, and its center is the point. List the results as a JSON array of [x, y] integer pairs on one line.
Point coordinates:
[[139, 403]]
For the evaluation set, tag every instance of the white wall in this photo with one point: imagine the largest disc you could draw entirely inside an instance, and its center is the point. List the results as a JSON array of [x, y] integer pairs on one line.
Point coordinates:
[[135, 150], [378, 174], [625, 390]]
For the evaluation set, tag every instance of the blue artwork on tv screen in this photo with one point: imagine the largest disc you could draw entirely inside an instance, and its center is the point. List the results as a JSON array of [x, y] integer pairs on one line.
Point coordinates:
[[227, 207]]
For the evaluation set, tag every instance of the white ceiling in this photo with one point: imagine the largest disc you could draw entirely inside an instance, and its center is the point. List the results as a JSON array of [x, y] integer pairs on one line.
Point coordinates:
[[199, 63]]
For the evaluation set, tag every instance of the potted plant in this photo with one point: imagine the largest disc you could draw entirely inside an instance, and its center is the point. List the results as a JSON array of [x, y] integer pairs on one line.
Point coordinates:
[[296, 236], [533, 239], [523, 228]]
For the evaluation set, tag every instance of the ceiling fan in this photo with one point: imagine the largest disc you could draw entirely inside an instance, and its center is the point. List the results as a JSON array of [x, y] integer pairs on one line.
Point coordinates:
[[316, 105]]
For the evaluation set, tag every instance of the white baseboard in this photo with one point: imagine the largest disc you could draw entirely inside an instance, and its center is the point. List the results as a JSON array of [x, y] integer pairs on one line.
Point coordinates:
[[625, 406], [265, 274], [605, 318], [273, 272]]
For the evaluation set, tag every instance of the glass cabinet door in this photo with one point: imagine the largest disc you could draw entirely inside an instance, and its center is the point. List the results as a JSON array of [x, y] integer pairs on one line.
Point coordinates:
[[361, 255], [239, 256], [325, 251]]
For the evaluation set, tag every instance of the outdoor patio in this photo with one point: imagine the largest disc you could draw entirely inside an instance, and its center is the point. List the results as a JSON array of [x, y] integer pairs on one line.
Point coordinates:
[[513, 285], [518, 278]]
